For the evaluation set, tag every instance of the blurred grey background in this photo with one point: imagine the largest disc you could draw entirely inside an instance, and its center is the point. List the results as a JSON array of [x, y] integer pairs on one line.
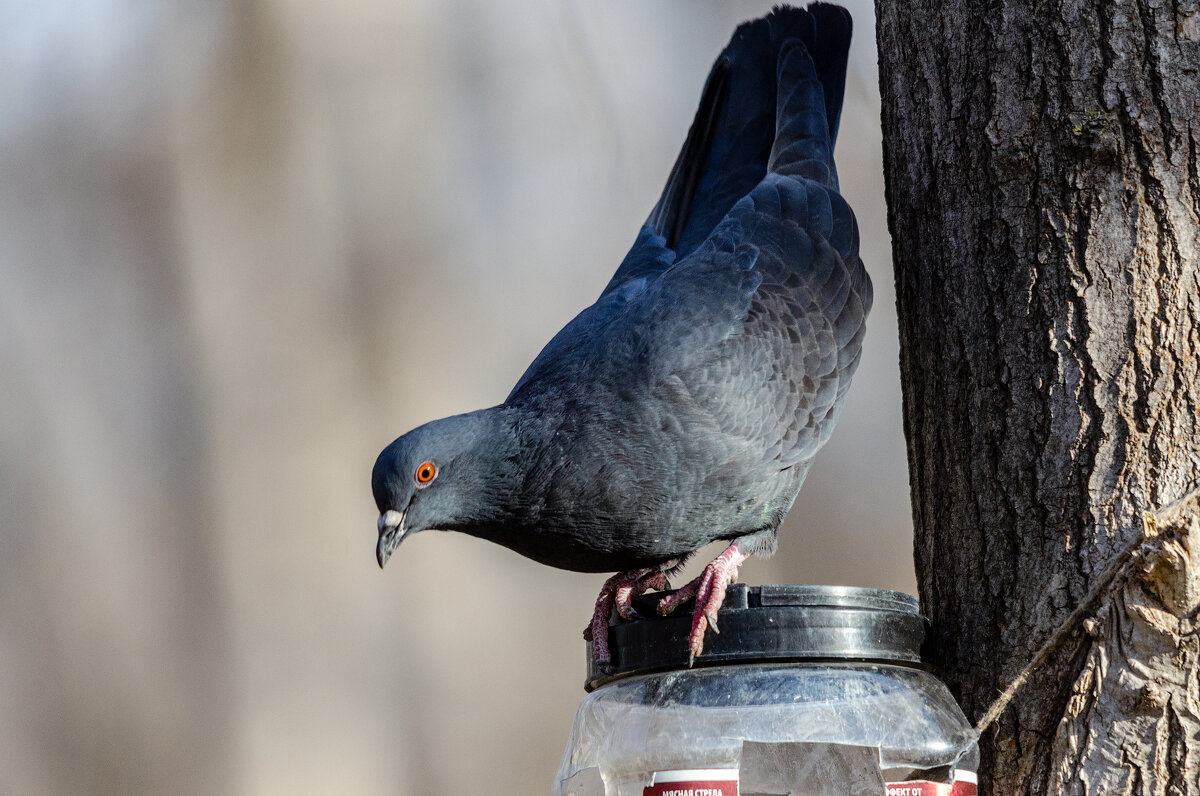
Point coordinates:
[[243, 245]]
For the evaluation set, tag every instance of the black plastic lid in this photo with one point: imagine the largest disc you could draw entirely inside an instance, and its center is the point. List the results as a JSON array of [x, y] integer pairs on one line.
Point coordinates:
[[770, 624]]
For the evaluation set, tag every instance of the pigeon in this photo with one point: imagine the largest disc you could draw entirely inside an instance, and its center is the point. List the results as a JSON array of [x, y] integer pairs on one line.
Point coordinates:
[[686, 404]]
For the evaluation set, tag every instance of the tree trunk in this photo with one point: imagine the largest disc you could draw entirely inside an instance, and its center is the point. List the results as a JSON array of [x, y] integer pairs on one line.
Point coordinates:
[[1043, 183]]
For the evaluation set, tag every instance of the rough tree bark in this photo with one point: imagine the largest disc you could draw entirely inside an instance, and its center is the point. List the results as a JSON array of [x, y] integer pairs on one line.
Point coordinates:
[[1043, 183]]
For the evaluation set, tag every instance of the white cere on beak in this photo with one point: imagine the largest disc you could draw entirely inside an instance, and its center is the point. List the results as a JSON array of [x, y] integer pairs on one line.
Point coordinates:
[[389, 520]]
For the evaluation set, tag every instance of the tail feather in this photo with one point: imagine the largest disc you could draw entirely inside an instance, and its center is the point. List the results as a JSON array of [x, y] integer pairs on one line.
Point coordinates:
[[771, 103], [830, 51], [802, 141]]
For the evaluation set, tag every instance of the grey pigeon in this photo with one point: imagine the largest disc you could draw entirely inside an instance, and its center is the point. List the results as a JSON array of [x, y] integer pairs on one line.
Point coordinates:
[[687, 403]]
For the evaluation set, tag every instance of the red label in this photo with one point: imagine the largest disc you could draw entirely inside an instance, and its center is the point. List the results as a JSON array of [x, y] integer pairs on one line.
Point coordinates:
[[924, 788], [696, 782], [960, 787]]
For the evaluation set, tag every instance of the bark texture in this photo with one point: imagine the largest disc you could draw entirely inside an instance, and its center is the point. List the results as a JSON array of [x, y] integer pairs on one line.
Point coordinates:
[[1043, 181]]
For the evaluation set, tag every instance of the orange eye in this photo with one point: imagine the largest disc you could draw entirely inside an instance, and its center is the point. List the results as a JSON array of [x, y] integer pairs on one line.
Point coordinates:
[[426, 472]]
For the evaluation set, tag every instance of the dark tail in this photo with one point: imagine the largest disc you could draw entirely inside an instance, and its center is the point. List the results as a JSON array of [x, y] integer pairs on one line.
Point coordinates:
[[771, 103]]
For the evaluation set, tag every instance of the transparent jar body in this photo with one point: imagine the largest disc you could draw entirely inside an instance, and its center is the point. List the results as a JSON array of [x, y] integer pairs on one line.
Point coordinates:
[[899, 721]]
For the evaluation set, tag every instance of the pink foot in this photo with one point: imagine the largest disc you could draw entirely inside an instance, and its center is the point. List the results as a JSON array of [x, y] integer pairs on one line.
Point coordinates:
[[619, 591], [709, 590]]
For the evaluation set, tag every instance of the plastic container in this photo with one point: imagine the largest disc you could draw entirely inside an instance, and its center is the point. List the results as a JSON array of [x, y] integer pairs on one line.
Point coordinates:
[[807, 690]]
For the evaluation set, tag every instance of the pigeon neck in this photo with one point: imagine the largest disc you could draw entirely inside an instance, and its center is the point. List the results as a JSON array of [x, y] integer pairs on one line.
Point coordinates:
[[489, 469]]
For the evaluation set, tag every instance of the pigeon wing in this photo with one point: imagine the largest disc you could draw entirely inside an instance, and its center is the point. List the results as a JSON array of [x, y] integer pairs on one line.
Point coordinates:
[[770, 304], [762, 324], [754, 337]]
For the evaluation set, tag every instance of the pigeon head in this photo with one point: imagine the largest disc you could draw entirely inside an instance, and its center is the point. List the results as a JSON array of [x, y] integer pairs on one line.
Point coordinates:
[[443, 475]]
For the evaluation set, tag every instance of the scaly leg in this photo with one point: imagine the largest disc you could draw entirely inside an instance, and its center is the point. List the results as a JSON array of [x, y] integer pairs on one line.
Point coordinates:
[[619, 591], [709, 590]]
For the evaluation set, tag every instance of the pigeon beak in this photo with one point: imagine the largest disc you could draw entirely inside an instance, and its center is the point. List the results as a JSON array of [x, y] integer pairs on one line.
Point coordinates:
[[391, 532]]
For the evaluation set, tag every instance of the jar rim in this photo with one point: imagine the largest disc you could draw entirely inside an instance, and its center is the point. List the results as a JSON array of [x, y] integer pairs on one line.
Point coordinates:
[[771, 624]]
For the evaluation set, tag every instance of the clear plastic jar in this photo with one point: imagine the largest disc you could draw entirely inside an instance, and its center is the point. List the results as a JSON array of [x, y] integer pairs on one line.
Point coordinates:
[[807, 689]]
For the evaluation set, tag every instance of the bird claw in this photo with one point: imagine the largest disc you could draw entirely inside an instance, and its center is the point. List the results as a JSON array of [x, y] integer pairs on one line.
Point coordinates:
[[618, 592], [709, 589], [668, 604], [696, 639], [597, 633], [624, 601], [648, 580]]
